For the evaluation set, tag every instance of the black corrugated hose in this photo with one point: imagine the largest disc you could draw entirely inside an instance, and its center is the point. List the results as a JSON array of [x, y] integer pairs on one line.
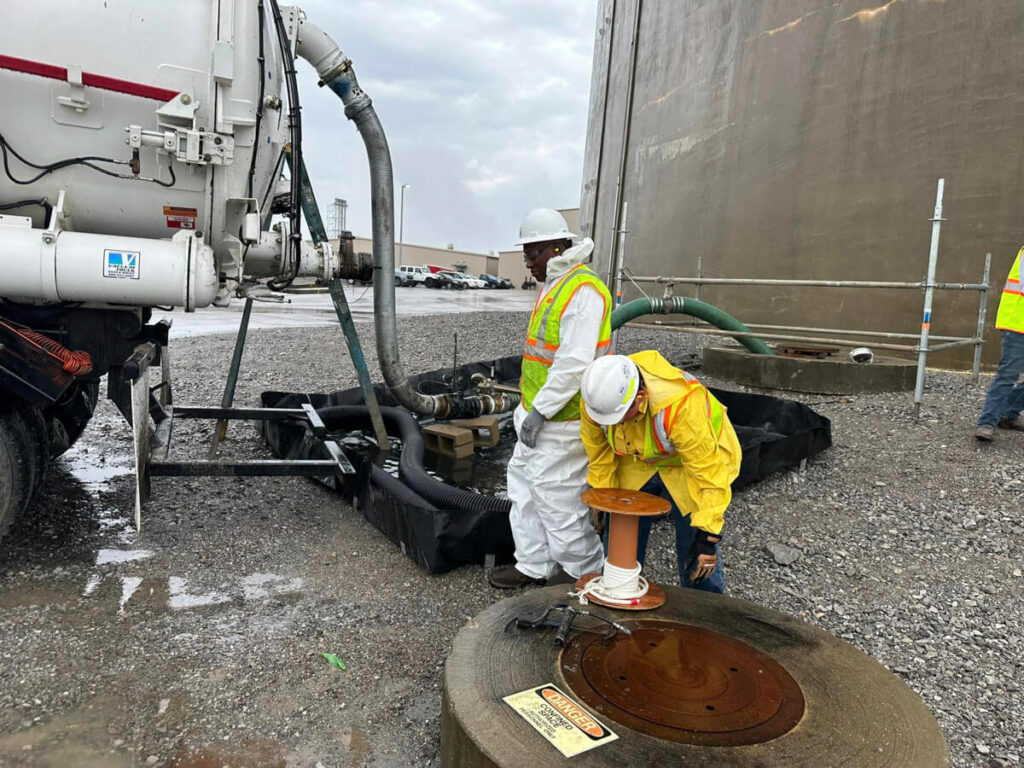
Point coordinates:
[[410, 464]]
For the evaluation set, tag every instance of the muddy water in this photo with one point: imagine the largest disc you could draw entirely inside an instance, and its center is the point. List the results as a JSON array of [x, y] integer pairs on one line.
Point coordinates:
[[483, 472]]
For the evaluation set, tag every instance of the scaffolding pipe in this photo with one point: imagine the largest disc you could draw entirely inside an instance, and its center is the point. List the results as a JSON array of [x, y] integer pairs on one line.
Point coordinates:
[[777, 337], [982, 308], [618, 272], [950, 344], [929, 296], [808, 283], [849, 332]]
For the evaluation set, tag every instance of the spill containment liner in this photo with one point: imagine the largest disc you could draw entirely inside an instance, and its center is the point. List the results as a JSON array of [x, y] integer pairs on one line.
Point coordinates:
[[773, 432]]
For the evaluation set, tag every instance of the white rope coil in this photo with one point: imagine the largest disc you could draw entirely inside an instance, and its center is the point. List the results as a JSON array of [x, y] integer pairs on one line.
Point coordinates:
[[619, 586]]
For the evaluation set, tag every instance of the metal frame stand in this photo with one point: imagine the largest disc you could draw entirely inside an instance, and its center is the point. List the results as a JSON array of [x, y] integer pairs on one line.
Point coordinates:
[[319, 234], [148, 440]]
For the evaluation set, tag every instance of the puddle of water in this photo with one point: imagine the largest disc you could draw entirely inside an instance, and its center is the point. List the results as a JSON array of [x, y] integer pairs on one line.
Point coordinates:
[[257, 586], [108, 556], [178, 596], [128, 586], [95, 472], [91, 585]]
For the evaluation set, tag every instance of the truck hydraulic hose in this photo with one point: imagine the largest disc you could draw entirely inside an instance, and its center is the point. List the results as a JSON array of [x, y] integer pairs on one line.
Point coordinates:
[[335, 70], [410, 464], [679, 305]]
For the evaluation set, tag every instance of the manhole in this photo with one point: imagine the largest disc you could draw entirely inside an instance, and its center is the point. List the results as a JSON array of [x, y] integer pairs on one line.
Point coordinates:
[[684, 684]]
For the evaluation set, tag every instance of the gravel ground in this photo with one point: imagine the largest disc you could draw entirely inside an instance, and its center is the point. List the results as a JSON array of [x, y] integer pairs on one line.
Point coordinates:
[[198, 642]]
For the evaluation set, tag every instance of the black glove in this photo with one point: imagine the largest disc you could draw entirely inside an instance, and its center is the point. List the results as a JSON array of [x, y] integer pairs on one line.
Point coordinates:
[[701, 561]]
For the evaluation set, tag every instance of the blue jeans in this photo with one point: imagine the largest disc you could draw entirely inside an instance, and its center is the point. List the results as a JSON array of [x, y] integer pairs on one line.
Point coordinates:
[[1005, 398], [684, 537]]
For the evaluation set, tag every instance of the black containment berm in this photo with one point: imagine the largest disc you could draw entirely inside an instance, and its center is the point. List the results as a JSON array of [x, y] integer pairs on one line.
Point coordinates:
[[705, 680], [442, 527]]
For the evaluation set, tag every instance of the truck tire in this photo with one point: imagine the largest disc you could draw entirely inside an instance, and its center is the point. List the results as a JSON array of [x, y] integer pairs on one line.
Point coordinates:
[[430, 282], [23, 459], [68, 418]]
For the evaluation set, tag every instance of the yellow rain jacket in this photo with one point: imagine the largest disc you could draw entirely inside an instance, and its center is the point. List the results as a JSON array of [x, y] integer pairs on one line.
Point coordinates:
[[702, 486]]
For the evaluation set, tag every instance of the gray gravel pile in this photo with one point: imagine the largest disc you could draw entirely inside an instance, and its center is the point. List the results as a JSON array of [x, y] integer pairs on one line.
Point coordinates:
[[905, 539]]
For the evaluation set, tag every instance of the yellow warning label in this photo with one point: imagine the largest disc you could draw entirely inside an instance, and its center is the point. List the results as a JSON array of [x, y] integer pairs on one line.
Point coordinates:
[[560, 720]]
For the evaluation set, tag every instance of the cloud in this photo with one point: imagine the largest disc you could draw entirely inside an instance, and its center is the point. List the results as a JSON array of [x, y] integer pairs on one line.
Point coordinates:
[[484, 105]]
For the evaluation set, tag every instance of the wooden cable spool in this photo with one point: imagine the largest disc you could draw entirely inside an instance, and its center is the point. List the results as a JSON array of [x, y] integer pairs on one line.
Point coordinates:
[[625, 508]]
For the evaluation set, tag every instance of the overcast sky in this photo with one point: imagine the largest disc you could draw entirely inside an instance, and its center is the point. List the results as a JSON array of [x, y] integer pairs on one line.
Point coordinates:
[[484, 103]]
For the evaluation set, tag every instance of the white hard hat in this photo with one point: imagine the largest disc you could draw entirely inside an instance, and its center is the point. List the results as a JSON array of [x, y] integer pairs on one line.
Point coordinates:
[[542, 225], [609, 387]]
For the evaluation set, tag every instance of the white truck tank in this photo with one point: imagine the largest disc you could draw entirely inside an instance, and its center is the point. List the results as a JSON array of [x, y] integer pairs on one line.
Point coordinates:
[[177, 83]]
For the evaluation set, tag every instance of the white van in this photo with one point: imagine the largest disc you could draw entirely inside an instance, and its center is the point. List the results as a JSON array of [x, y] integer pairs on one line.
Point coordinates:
[[414, 275]]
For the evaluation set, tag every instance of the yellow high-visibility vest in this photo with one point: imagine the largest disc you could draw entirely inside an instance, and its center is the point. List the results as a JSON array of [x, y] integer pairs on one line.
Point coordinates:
[[1011, 305], [542, 338], [659, 452]]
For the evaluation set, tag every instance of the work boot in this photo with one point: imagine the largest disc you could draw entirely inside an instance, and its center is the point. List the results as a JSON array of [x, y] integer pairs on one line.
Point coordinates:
[[509, 577], [985, 434], [559, 577], [1016, 424]]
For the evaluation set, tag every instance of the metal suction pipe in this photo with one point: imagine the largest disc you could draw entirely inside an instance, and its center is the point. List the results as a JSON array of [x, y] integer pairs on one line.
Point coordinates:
[[335, 70]]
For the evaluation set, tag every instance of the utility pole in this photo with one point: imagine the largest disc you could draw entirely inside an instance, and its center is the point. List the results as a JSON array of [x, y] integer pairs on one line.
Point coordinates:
[[401, 223]]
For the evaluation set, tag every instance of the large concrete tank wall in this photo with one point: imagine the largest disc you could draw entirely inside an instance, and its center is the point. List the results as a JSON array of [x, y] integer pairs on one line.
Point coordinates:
[[804, 139]]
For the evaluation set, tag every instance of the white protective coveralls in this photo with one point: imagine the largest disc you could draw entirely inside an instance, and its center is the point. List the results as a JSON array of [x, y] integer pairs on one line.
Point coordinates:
[[550, 524]]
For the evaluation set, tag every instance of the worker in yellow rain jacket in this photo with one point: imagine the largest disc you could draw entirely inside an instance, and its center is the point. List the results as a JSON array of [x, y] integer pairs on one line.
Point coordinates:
[[1005, 398], [648, 425]]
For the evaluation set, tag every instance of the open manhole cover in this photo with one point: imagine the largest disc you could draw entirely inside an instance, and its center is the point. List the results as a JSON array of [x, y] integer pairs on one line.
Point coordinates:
[[685, 684]]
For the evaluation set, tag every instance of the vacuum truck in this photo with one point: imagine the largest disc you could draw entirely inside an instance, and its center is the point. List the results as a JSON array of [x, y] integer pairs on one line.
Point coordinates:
[[152, 158]]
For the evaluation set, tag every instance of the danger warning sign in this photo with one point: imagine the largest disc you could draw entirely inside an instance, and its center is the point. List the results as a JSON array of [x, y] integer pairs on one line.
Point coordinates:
[[560, 720], [180, 218]]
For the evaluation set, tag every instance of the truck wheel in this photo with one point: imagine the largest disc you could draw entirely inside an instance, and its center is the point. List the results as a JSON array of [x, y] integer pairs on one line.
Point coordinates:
[[398, 282], [23, 460], [68, 418], [430, 282]]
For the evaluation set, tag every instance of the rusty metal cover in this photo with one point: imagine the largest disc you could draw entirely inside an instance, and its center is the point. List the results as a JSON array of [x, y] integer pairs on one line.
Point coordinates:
[[684, 683]]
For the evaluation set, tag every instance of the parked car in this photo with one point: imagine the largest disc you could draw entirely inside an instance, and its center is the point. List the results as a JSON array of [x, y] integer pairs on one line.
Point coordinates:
[[471, 282], [400, 278], [493, 281], [445, 280], [414, 275]]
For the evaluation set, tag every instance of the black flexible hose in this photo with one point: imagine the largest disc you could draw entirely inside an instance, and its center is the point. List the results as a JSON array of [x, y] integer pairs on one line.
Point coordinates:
[[410, 465]]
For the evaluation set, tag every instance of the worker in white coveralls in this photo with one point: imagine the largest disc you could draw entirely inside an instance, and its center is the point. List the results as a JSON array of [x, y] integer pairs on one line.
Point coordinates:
[[650, 426], [569, 327]]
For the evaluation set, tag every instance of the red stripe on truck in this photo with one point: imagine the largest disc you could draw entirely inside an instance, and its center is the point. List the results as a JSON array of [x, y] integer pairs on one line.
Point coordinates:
[[115, 84]]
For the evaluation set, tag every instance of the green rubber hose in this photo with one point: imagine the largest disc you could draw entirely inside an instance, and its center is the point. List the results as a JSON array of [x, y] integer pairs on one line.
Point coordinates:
[[679, 305]]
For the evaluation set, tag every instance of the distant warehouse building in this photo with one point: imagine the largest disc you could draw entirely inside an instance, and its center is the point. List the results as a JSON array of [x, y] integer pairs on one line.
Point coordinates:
[[804, 139], [473, 262]]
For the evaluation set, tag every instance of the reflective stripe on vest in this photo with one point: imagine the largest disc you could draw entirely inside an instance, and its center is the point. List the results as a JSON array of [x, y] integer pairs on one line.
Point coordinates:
[[659, 451], [1011, 304], [543, 335]]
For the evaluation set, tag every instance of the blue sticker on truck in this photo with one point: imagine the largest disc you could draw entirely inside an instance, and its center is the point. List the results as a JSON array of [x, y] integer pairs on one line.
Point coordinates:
[[121, 264]]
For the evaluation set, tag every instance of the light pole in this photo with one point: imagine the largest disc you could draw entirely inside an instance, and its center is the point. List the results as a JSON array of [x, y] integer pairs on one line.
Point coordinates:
[[401, 223]]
